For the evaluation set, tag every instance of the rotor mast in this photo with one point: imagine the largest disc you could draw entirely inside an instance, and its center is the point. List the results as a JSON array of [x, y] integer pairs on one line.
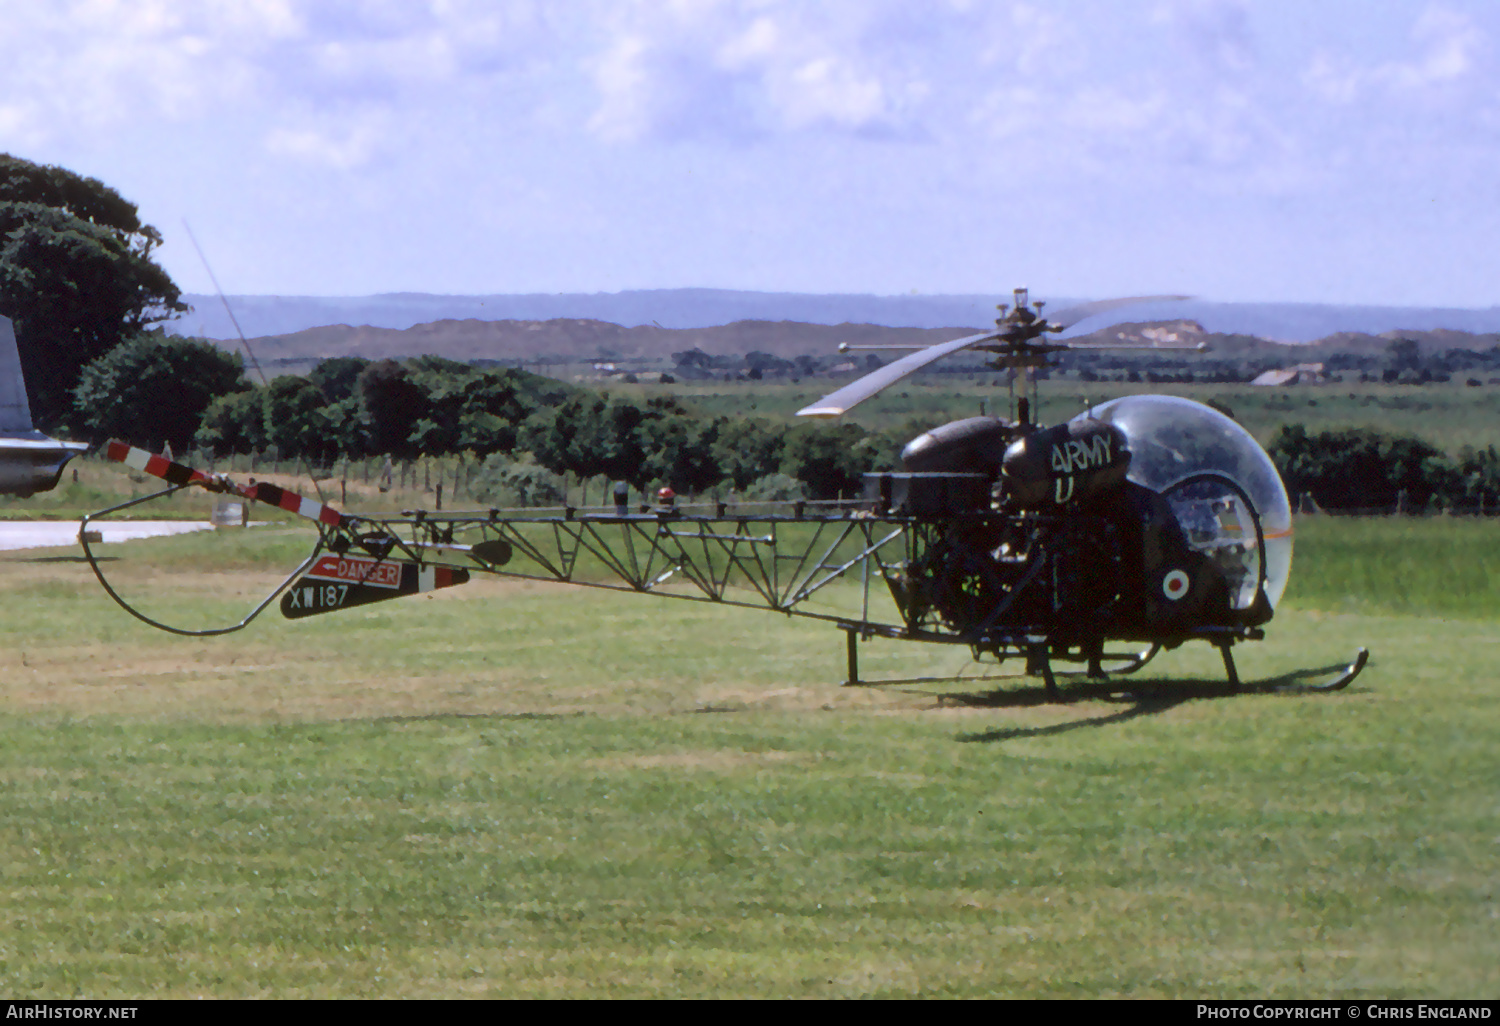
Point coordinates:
[[1019, 323]]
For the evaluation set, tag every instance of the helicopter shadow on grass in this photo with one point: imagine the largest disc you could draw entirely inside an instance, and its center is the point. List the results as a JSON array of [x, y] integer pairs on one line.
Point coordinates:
[[1149, 696]]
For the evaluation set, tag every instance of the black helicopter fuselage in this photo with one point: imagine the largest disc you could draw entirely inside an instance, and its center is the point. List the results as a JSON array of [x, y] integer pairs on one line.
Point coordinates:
[[1057, 542]]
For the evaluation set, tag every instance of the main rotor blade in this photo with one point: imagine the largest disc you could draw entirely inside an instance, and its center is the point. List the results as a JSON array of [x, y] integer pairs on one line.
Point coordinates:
[[856, 392], [1198, 347], [1070, 316]]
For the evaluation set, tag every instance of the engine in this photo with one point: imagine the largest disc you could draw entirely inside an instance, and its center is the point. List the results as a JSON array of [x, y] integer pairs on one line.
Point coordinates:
[[973, 446]]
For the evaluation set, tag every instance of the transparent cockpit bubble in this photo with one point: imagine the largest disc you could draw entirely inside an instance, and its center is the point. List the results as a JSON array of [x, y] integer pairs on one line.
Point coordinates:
[[1211, 469], [174, 563], [1219, 522]]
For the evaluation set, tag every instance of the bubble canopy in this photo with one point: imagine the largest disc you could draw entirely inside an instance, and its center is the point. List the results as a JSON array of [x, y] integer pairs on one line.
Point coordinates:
[[1185, 451]]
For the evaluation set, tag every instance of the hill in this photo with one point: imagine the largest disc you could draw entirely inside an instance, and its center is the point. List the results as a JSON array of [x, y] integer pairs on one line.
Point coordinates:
[[581, 340], [576, 339], [699, 308], [814, 347]]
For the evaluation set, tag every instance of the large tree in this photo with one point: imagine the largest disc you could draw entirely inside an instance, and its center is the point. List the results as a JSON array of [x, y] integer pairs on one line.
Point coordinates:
[[154, 389], [234, 423], [390, 404], [829, 458], [76, 276]]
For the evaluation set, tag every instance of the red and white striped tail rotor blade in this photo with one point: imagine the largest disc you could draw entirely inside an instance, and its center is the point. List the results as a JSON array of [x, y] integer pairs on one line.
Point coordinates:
[[273, 495], [262, 491], [156, 466]]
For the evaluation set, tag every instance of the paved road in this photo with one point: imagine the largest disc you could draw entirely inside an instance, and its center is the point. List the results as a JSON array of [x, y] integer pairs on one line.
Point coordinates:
[[43, 534]]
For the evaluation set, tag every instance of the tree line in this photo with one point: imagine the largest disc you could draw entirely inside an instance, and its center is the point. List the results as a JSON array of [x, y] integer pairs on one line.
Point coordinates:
[[188, 393], [1401, 361]]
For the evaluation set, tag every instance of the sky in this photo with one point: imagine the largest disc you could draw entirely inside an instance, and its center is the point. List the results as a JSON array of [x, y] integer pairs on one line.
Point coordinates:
[[1333, 151]]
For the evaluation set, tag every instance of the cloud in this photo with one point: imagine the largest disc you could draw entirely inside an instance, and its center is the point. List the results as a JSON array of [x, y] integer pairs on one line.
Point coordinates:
[[1450, 43], [1214, 34], [1036, 41], [747, 70], [1223, 97], [1447, 46], [652, 91], [94, 64], [103, 66], [1096, 94], [342, 148], [1425, 111]]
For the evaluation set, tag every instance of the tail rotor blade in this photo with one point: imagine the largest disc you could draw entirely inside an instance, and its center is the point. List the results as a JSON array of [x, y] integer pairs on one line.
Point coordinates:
[[181, 475]]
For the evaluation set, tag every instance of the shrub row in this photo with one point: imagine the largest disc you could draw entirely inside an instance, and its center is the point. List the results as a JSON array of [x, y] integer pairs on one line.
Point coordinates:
[[1368, 470]]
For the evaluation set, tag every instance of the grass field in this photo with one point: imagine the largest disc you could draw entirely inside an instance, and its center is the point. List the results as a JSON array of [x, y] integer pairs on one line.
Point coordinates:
[[517, 790]]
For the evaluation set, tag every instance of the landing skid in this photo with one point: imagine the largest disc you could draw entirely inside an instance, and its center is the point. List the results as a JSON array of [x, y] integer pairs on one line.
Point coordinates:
[[1340, 680], [1039, 664]]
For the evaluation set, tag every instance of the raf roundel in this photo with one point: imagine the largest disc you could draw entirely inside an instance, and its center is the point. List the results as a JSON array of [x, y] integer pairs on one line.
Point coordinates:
[[1175, 585]]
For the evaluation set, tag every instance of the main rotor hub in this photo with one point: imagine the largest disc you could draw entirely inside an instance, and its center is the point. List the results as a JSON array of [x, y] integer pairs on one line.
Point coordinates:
[[1020, 321]]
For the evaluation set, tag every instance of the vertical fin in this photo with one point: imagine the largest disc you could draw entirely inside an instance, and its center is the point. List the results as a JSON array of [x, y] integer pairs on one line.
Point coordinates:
[[15, 410]]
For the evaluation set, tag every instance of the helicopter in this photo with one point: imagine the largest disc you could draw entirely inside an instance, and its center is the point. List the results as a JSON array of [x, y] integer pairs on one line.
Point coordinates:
[[1140, 524]]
